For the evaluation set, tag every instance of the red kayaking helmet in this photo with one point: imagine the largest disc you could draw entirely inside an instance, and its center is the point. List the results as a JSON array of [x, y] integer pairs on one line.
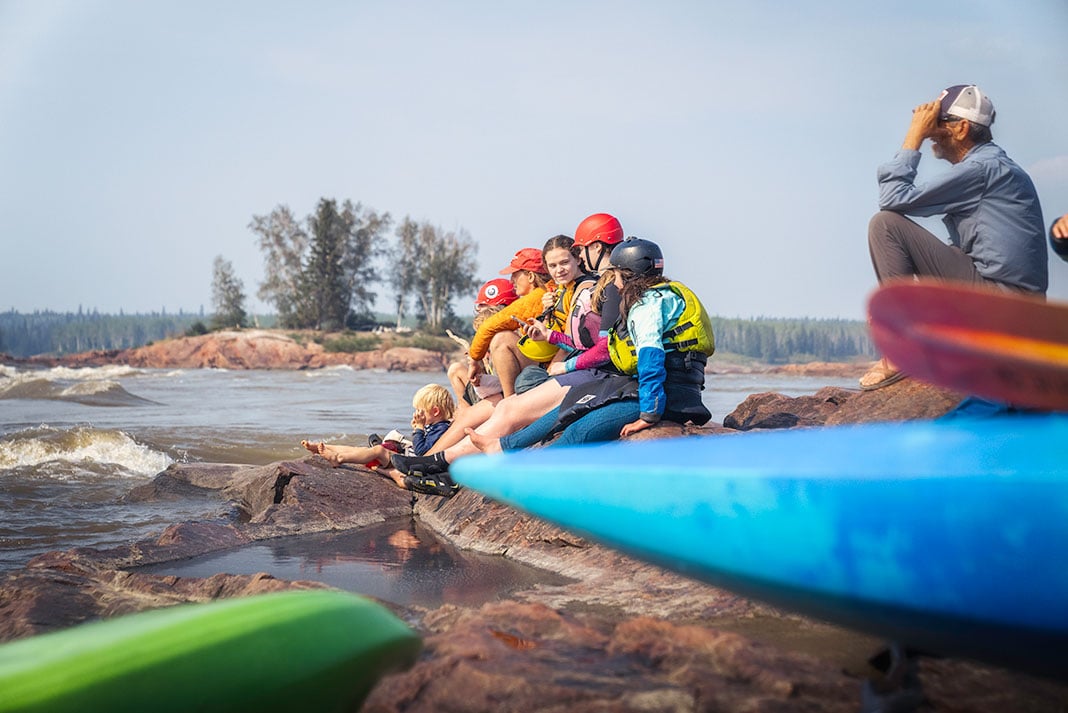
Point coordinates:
[[598, 228], [497, 291]]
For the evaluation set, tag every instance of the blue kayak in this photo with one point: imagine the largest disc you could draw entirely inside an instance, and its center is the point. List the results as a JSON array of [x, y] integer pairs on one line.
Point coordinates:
[[949, 536]]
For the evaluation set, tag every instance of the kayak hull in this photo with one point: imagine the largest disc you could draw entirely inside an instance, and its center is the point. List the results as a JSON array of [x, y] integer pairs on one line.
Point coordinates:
[[948, 536], [999, 345]]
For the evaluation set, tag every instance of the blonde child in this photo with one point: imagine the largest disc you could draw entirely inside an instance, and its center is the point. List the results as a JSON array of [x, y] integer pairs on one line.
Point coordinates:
[[433, 410], [434, 407]]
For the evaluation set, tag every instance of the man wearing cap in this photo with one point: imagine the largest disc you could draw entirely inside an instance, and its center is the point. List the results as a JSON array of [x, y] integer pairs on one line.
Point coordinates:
[[987, 202]]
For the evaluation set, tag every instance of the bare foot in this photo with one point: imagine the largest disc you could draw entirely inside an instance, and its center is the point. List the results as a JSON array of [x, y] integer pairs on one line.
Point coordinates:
[[396, 476], [327, 452], [882, 374], [486, 444]]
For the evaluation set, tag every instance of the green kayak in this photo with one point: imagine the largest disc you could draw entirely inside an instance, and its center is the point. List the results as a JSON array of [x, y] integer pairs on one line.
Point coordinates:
[[316, 650]]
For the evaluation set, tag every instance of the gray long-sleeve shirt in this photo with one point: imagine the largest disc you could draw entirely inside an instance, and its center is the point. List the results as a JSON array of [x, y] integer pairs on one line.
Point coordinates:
[[990, 209]]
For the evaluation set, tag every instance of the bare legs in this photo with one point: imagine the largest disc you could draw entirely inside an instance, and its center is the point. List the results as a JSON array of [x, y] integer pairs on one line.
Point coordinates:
[[510, 415], [486, 444], [359, 455], [507, 360], [457, 374], [470, 417]]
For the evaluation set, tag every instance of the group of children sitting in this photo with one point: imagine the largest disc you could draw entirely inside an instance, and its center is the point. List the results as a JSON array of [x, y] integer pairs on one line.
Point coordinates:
[[587, 341]]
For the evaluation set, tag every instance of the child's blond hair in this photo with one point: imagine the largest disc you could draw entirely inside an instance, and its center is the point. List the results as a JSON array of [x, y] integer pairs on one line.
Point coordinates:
[[433, 395], [483, 313]]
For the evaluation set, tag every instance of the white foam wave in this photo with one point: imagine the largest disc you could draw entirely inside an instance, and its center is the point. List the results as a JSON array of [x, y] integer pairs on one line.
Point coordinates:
[[65, 373], [87, 373], [89, 388], [87, 447], [84, 385], [328, 371]]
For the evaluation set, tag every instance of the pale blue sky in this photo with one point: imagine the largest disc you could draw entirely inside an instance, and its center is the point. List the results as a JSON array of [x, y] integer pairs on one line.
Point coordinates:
[[137, 139]]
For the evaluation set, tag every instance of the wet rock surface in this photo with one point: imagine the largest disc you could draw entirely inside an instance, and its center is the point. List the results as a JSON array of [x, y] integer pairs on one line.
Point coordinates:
[[906, 400], [621, 636]]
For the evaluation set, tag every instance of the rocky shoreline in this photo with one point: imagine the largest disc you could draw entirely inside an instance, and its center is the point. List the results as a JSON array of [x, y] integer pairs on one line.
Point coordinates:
[[247, 349], [622, 636], [276, 349]]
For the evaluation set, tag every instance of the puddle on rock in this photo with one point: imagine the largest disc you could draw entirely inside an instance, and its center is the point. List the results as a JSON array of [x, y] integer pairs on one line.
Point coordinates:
[[400, 562]]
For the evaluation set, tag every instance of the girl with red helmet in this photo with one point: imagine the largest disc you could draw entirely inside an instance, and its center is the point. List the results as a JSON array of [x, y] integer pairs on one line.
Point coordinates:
[[597, 234]]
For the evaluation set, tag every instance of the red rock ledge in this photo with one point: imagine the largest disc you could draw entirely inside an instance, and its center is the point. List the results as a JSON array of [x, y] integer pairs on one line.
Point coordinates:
[[251, 349]]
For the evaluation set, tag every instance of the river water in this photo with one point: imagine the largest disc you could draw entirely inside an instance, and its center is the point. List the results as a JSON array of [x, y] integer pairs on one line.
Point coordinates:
[[73, 442]]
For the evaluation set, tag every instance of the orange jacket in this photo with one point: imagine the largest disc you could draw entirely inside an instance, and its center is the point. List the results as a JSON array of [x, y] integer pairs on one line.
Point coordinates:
[[527, 306]]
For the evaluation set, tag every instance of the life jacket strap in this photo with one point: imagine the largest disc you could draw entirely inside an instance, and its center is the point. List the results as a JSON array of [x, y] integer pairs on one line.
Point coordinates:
[[678, 329], [685, 344]]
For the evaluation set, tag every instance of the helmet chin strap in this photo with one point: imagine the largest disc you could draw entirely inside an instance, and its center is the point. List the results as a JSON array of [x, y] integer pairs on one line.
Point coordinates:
[[600, 256]]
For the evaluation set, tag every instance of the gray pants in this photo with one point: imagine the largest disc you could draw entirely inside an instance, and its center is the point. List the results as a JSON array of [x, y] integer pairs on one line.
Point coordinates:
[[901, 248]]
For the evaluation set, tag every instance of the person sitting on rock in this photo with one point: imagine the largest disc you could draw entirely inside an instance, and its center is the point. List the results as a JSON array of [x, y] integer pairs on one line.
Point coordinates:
[[498, 336], [493, 296], [596, 235], [988, 203], [434, 408]]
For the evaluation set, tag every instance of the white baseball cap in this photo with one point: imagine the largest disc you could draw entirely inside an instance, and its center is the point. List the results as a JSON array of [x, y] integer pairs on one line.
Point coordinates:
[[967, 101]]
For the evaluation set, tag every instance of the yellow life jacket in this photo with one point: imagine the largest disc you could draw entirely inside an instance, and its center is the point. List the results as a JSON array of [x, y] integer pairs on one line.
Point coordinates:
[[692, 332], [566, 307], [565, 316]]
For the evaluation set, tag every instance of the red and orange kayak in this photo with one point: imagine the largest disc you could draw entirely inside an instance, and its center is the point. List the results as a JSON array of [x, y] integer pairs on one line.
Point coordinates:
[[985, 342]]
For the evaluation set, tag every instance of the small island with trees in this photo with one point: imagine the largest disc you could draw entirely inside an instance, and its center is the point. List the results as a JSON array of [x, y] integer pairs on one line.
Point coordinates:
[[321, 274]]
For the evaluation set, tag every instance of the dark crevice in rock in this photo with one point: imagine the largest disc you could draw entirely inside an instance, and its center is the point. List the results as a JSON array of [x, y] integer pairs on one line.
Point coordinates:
[[280, 487], [561, 541]]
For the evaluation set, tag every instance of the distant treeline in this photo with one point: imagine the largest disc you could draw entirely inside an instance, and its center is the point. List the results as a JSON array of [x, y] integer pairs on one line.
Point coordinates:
[[23, 335], [782, 341], [769, 340]]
